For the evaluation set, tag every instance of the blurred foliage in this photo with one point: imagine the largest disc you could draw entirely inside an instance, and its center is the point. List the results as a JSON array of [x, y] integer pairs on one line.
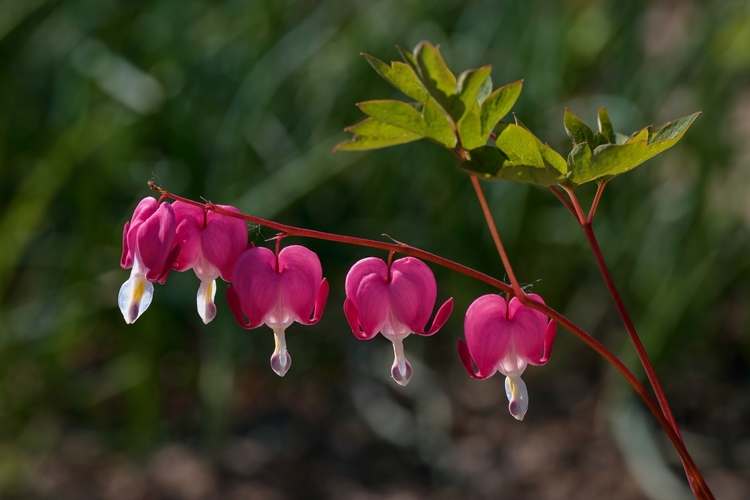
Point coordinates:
[[241, 102]]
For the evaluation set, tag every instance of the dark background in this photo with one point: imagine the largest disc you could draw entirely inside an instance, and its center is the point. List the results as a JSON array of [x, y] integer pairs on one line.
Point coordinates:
[[240, 102]]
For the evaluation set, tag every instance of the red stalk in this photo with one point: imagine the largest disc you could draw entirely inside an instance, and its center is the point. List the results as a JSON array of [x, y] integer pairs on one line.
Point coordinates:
[[516, 289]]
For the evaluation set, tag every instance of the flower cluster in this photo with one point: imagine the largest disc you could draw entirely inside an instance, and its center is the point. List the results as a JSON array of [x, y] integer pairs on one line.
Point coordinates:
[[279, 288], [161, 237]]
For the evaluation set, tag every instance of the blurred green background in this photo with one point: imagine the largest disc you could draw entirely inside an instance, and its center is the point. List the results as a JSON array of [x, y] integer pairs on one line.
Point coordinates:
[[240, 102]]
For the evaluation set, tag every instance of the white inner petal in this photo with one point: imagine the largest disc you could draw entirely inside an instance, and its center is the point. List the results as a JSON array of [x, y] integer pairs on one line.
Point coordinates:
[[205, 298], [280, 360], [135, 294], [518, 396]]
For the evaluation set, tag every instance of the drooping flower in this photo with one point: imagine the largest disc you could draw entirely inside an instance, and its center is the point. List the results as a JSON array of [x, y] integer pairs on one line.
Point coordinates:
[[277, 289], [506, 337], [147, 248], [210, 244], [395, 300]]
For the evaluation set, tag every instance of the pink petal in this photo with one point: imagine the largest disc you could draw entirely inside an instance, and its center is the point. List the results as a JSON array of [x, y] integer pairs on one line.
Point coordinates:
[[529, 327], [488, 333], [189, 219], [516, 304], [320, 304], [301, 276], [168, 265], [350, 311], [371, 301], [145, 208], [466, 361], [412, 293], [440, 318], [126, 260], [256, 284], [223, 240], [154, 241], [549, 342], [236, 307], [362, 269]]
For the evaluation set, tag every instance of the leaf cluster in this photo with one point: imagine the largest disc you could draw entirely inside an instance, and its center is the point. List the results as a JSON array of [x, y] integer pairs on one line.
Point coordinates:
[[463, 114]]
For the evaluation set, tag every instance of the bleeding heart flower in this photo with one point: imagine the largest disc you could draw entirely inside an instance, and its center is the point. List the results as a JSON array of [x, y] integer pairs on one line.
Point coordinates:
[[277, 290], [210, 244], [395, 300], [147, 248], [506, 337]]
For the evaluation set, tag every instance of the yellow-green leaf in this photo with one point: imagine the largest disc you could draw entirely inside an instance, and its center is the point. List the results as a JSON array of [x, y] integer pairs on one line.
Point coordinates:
[[467, 88], [668, 135], [401, 76], [430, 123], [470, 130], [605, 125], [577, 130], [607, 160], [374, 134], [485, 90], [407, 56], [366, 142], [492, 164], [553, 158], [439, 128], [497, 105], [434, 73], [519, 145]]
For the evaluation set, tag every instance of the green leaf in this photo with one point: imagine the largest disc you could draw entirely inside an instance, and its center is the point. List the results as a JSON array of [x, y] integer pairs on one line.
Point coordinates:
[[577, 130], [492, 164], [407, 56], [497, 105], [612, 159], [401, 76], [485, 161], [605, 125], [521, 158], [439, 127], [579, 162], [641, 135], [599, 140], [374, 134], [666, 137], [674, 129], [437, 78], [373, 127], [608, 160], [470, 129], [365, 143], [552, 158], [467, 88], [431, 123], [669, 134], [519, 145], [485, 90]]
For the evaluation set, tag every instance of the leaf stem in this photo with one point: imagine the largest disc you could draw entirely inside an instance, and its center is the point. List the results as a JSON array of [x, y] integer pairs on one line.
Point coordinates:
[[495, 236], [577, 206], [525, 299], [350, 240], [595, 203], [563, 200], [697, 482]]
